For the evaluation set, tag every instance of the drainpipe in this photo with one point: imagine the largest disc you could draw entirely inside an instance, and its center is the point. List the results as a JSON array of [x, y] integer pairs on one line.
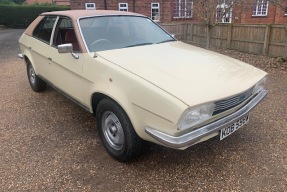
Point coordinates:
[[105, 2], [161, 11], [275, 13], [134, 5]]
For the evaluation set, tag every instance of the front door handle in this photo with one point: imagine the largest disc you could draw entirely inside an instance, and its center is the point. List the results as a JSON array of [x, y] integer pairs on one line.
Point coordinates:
[[50, 59]]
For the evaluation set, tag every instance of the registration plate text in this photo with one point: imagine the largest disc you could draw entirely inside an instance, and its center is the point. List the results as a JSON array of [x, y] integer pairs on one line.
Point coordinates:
[[225, 132]]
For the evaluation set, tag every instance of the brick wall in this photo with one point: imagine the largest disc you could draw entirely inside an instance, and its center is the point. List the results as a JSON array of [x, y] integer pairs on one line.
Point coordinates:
[[275, 15], [280, 18], [138, 6]]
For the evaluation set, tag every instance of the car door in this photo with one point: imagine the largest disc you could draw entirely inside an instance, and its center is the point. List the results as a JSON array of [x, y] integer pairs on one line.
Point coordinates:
[[40, 45], [65, 71]]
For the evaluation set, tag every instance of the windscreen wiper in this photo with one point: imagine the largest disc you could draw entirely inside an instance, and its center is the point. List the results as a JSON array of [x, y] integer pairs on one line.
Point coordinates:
[[139, 44], [166, 41]]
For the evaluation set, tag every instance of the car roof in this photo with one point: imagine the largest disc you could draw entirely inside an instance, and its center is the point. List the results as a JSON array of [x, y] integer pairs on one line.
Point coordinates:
[[75, 14]]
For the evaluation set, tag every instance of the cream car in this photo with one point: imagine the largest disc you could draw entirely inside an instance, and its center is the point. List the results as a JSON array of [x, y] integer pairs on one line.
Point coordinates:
[[139, 81]]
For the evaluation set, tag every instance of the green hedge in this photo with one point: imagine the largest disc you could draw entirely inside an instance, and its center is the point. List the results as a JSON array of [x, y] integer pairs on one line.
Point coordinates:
[[20, 16]]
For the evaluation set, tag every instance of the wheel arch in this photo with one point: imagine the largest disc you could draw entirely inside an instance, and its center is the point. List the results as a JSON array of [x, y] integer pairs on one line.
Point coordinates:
[[27, 57], [97, 97]]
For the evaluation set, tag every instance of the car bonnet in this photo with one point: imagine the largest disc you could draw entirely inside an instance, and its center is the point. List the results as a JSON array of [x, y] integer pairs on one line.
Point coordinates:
[[191, 74]]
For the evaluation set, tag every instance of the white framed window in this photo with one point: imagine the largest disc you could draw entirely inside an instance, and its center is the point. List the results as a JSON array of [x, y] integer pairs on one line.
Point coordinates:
[[123, 7], [183, 9], [155, 14], [90, 5], [260, 8], [224, 12]]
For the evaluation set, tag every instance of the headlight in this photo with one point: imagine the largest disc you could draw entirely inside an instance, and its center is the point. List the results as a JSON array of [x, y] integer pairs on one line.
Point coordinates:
[[260, 85], [195, 115]]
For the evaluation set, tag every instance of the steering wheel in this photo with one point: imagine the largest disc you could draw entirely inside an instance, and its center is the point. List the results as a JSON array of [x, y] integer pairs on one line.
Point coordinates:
[[100, 40]]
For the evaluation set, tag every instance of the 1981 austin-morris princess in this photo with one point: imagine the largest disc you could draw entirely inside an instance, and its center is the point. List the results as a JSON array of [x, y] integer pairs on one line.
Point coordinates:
[[139, 81]]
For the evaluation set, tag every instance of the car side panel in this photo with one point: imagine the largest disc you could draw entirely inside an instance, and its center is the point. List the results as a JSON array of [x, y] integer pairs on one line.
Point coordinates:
[[66, 73]]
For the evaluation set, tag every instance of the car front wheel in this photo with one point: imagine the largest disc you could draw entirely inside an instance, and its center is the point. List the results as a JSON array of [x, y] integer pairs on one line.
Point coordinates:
[[117, 132], [36, 83]]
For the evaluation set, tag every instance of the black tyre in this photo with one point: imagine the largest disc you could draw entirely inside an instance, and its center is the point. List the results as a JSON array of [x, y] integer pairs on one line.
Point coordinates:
[[36, 83], [117, 132]]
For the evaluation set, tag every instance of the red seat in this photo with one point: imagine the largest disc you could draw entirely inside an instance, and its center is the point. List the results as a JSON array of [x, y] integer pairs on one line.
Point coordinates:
[[70, 37]]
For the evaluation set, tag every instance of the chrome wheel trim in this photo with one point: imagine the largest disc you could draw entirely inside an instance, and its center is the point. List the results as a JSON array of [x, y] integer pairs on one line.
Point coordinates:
[[112, 130], [32, 75]]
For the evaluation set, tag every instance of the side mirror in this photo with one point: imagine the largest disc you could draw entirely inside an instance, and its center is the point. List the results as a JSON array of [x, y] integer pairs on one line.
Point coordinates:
[[65, 48]]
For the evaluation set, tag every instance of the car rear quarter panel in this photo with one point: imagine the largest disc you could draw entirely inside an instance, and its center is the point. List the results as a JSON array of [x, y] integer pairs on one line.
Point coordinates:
[[37, 52], [24, 43], [25, 39]]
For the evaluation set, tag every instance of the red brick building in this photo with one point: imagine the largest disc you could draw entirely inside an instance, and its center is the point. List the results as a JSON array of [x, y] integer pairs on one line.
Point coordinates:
[[158, 10], [258, 11], [264, 13]]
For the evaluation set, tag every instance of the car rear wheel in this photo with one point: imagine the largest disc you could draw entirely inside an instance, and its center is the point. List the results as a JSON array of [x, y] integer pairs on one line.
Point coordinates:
[[36, 83], [117, 132]]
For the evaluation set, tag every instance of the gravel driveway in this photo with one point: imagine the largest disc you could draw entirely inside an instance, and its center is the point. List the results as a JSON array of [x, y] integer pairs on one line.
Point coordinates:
[[50, 144]]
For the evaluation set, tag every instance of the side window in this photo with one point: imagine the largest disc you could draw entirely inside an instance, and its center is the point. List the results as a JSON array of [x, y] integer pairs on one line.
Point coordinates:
[[64, 33], [44, 29]]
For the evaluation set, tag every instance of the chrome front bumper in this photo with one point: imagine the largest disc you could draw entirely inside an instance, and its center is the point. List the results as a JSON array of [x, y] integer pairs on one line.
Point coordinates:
[[192, 137]]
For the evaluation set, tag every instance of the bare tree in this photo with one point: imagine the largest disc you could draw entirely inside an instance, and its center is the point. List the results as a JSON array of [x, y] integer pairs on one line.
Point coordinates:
[[282, 4], [212, 12]]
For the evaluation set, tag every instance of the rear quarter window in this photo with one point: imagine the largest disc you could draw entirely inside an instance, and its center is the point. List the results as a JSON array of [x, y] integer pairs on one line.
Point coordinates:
[[44, 29]]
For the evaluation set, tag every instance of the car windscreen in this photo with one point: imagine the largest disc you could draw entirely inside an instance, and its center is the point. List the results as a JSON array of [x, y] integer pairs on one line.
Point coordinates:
[[116, 32]]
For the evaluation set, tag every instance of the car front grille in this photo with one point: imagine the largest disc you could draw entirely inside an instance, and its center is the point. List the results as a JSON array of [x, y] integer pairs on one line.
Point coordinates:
[[223, 105]]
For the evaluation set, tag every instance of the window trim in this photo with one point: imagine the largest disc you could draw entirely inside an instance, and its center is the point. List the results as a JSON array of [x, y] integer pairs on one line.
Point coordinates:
[[57, 28], [42, 24], [126, 8], [90, 8], [158, 8], [179, 10], [223, 6], [255, 9], [53, 31]]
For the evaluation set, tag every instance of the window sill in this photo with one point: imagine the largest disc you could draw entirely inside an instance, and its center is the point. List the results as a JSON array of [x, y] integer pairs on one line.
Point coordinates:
[[182, 18], [259, 16]]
